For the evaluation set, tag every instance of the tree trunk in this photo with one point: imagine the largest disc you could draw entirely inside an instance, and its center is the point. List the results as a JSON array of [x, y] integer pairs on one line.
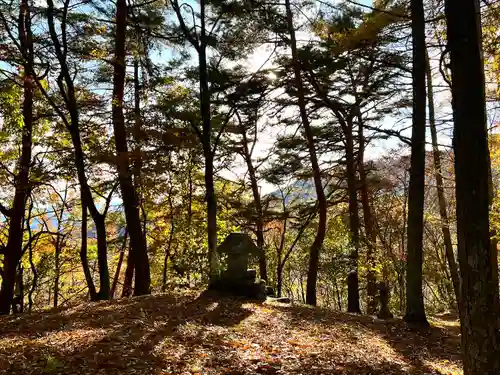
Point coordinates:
[[83, 255], [18, 301], [213, 256], [352, 192], [478, 266], [370, 233], [312, 273], [119, 266], [34, 280], [445, 223], [170, 240], [415, 310], [67, 90], [129, 277], [137, 164], [138, 244], [279, 280], [259, 220], [13, 250], [57, 271]]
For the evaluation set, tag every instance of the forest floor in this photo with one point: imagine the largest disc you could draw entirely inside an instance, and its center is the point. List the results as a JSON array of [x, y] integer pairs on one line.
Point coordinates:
[[189, 333]]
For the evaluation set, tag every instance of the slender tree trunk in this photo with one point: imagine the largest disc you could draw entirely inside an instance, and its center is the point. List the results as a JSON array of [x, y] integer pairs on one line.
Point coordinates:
[[445, 223], [13, 250], [138, 244], [187, 232], [478, 266], [213, 256], [312, 274], [370, 233], [170, 240], [83, 255], [34, 281], [137, 164], [211, 218], [129, 277], [259, 220], [415, 310], [352, 192], [18, 302], [57, 271], [164, 273], [279, 279], [58, 246], [119, 266], [102, 258]]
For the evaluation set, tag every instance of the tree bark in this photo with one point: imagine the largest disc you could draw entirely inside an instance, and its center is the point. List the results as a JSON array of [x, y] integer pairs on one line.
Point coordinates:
[[83, 255], [57, 271], [213, 256], [445, 223], [477, 259], [138, 244], [352, 192], [13, 250], [58, 245], [370, 233], [314, 251], [170, 240], [138, 163], [129, 277], [415, 310], [119, 266]]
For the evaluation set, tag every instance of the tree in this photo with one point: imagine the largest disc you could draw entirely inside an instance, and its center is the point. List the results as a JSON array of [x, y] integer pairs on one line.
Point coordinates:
[[68, 92], [415, 310], [478, 260], [445, 226], [14, 247], [312, 273], [129, 195]]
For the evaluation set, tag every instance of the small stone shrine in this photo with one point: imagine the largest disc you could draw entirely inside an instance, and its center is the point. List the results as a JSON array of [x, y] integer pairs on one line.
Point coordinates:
[[237, 278]]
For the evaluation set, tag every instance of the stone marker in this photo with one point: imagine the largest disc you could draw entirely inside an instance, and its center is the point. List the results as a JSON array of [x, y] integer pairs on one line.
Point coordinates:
[[237, 278]]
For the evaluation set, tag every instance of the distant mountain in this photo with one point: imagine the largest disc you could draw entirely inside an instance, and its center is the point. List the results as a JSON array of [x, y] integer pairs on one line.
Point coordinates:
[[301, 190]]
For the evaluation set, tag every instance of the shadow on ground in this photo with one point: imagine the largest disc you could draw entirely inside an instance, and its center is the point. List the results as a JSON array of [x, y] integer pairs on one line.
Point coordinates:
[[417, 345], [204, 334]]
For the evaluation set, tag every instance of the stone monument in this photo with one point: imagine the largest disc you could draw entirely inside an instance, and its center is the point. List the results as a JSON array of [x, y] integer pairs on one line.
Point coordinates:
[[237, 278]]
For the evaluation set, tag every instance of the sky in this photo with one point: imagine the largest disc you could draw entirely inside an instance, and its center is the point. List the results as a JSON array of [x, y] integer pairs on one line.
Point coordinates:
[[262, 57]]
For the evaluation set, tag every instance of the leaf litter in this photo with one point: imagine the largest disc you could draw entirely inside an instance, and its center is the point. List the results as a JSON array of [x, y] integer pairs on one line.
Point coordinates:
[[187, 333]]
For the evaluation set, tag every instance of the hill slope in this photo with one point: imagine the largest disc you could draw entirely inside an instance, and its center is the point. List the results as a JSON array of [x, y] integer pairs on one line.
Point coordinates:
[[192, 334]]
